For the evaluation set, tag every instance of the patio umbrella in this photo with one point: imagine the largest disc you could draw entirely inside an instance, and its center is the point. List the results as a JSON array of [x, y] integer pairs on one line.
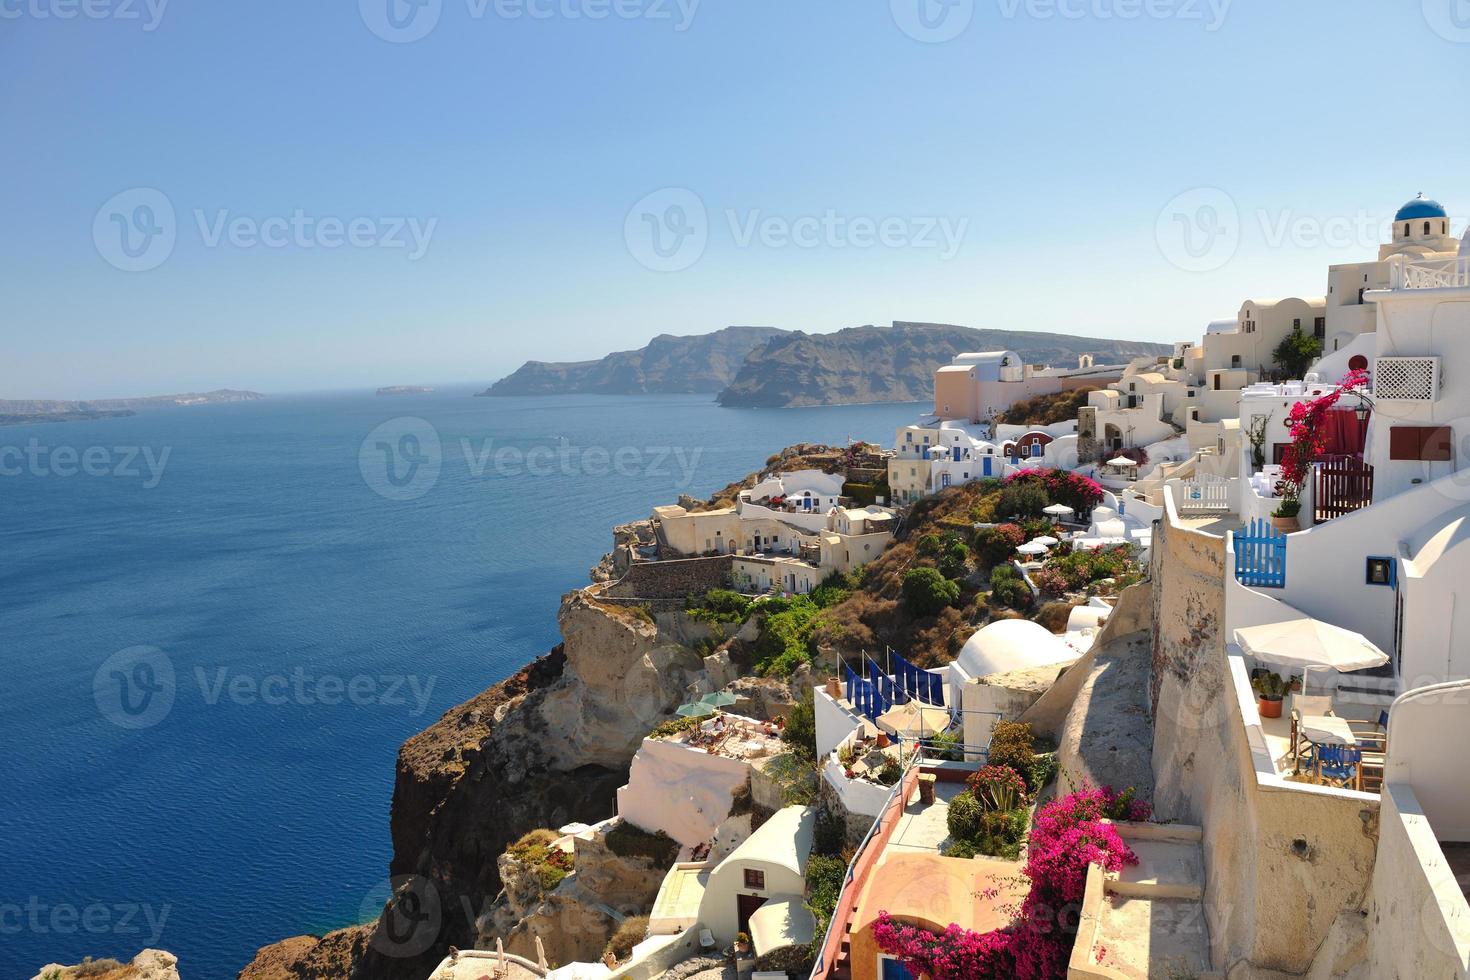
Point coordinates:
[[1305, 642], [1032, 548], [695, 710], [1058, 510], [1047, 540], [914, 720], [719, 699], [1121, 461]]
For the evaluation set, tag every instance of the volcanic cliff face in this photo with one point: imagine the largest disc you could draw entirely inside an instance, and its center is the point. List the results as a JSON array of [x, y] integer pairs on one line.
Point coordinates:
[[543, 748]]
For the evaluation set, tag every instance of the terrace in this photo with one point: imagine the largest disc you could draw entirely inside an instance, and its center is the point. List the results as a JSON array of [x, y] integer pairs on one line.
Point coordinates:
[[733, 737]]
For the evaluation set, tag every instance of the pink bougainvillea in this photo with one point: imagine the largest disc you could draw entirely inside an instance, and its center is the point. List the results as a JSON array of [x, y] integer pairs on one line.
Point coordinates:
[[1308, 435], [1062, 486], [1069, 833]]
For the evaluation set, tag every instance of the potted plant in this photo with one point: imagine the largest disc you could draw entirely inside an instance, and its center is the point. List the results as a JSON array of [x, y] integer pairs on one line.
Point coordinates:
[[742, 943], [1270, 689], [882, 740], [1284, 517], [1295, 683]]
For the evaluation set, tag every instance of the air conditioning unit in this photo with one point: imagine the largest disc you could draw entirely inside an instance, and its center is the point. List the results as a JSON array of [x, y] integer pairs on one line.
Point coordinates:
[[1406, 379]]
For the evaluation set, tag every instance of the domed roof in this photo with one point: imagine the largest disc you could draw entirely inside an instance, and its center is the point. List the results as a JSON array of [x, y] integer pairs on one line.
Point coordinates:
[[1421, 207], [1012, 644]]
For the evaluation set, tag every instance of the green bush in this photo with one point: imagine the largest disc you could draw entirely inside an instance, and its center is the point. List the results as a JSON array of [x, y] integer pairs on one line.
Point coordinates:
[[994, 545], [1042, 770], [946, 746], [801, 728], [718, 606], [955, 561], [964, 817], [1001, 833], [785, 636], [674, 726], [829, 836], [890, 774], [551, 864], [1008, 588], [1022, 498], [926, 592], [1011, 745], [929, 544], [627, 840]]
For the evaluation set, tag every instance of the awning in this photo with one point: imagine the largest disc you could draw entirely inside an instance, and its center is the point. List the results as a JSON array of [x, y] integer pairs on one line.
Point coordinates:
[[783, 921], [914, 720], [1297, 644]]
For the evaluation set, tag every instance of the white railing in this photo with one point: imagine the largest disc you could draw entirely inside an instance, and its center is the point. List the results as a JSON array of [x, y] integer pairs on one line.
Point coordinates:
[[1438, 274], [1204, 495]]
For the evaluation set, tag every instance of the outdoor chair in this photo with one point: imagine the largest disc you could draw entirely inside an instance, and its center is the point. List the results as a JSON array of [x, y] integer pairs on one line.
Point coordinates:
[[1305, 706], [706, 939], [1372, 739], [1339, 765]]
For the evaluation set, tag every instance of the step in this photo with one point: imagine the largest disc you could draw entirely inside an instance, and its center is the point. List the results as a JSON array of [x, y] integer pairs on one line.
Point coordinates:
[[1153, 939], [1165, 870]]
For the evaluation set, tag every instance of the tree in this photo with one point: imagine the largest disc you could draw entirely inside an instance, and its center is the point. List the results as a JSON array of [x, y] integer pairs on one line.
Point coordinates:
[[926, 591], [1296, 353], [801, 728]]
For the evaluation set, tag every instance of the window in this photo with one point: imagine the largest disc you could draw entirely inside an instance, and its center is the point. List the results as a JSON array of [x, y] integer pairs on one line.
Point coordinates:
[[755, 879], [1191, 392], [1421, 443], [1296, 323], [908, 437], [1319, 327], [1380, 571], [1426, 228]]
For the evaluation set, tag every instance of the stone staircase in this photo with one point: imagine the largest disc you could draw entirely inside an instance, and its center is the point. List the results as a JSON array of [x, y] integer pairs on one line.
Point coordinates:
[[1147, 922]]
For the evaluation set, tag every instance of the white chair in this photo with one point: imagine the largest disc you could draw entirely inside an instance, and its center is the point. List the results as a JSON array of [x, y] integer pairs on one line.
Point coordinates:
[[706, 939]]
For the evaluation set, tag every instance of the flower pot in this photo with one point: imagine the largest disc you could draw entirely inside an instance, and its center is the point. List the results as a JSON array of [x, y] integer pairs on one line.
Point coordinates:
[[1286, 525], [1268, 707], [882, 740], [834, 688]]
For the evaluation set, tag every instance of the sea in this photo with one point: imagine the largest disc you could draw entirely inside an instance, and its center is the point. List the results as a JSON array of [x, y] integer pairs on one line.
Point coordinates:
[[218, 623]]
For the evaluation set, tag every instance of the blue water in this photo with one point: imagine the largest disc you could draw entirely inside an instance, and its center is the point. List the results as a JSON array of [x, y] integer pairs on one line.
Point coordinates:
[[266, 558]]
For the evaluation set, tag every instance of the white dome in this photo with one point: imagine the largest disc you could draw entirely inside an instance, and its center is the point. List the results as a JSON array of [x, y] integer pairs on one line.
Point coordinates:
[[1012, 644]]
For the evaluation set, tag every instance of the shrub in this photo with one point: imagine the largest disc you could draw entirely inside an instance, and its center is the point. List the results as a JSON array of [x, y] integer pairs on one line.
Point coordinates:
[[1041, 771], [829, 836], [1011, 745], [946, 746], [994, 545], [929, 544], [550, 863], [718, 606], [998, 788], [786, 630], [963, 817], [955, 561], [926, 591], [1022, 499], [628, 840], [891, 773], [674, 726], [630, 933], [1001, 833], [801, 728], [1062, 487], [1008, 588]]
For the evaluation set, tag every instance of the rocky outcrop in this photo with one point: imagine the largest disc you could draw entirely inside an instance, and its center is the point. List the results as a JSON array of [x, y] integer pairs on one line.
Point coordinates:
[[151, 964], [45, 406], [544, 748], [667, 365], [575, 919], [894, 364]]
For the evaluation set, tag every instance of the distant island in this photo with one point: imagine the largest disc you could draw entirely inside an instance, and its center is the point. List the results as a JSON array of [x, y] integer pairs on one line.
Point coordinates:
[[405, 390], [668, 365], [25, 411], [765, 367]]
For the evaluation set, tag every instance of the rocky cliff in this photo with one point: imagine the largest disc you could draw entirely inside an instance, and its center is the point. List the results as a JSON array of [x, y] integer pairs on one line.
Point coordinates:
[[667, 365], [894, 364], [151, 964], [546, 747]]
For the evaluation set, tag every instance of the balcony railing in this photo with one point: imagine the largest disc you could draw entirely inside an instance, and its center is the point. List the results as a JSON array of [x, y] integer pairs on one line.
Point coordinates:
[[1435, 274]]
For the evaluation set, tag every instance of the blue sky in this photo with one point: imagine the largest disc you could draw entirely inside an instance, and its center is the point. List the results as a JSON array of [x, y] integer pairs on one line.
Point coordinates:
[[819, 150]]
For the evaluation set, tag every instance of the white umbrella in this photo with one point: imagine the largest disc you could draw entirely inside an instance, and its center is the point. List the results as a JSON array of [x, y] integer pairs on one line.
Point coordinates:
[[1032, 548], [1047, 540], [1121, 461], [1304, 642], [1058, 510], [914, 720]]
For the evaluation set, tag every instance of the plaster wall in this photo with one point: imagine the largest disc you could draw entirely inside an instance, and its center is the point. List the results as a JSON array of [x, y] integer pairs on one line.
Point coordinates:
[[683, 791]]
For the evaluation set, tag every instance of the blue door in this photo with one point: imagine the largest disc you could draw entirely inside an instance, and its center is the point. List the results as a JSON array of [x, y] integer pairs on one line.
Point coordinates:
[[894, 970]]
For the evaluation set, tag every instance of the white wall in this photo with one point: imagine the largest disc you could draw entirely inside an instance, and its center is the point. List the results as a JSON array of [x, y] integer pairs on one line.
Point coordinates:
[[1428, 729], [683, 791], [834, 722]]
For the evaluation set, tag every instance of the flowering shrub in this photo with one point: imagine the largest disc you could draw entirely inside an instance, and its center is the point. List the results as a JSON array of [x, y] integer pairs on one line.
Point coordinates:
[[998, 788], [1070, 833], [1081, 567], [995, 544], [1062, 487], [1308, 438], [1051, 581]]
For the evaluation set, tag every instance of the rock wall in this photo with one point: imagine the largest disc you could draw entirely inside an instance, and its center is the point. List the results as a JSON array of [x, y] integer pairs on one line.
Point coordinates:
[[672, 579], [1282, 863], [546, 747]]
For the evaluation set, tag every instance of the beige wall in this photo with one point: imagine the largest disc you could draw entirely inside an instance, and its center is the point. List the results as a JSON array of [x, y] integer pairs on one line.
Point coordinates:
[[1281, 862]]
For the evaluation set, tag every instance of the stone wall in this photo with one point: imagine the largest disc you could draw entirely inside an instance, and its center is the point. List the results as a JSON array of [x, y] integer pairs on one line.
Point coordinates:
[[674, 579], [1282, 861]]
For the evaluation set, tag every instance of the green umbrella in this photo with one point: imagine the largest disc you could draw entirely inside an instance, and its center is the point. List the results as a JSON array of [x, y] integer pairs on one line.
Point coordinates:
[[695, 710], [719, 699]]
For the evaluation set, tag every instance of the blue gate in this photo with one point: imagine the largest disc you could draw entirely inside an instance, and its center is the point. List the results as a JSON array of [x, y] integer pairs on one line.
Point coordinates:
[[1260, 555]]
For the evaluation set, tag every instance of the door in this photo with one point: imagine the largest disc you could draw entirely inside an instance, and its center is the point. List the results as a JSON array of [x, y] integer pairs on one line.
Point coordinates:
[[894, 970], [745, 905]]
